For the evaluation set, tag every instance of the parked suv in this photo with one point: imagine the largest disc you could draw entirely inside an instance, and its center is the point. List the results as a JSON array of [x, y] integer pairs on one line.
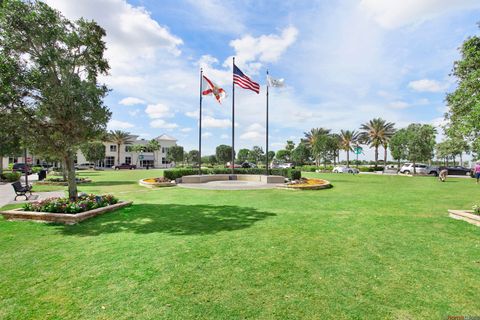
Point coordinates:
[[22, 167], [420, 168]]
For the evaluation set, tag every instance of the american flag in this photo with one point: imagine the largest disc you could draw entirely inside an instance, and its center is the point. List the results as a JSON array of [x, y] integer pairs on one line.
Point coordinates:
[[240, 79]]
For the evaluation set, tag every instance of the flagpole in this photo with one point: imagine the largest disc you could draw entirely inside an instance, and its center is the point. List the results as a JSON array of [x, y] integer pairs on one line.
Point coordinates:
[[200, 126], [233, 120], [266, 138]]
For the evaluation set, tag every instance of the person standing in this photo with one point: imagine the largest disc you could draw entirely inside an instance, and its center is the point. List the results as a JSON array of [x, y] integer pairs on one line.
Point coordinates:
[[476, 171]]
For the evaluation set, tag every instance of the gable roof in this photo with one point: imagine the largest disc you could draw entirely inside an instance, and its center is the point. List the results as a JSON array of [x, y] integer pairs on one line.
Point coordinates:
[[165, 137]]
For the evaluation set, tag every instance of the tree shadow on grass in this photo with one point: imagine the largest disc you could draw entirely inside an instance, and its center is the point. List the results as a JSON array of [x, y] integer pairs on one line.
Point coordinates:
[[171, 219], [108, 183]]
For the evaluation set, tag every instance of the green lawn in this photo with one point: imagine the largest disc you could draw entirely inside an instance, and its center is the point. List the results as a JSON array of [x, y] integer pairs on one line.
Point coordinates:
[[376, 247]]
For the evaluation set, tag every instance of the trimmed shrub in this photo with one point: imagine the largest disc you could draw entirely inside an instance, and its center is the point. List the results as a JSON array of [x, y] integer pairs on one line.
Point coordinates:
[[370, 169], [173, 174], [10, 176], [294, 174]]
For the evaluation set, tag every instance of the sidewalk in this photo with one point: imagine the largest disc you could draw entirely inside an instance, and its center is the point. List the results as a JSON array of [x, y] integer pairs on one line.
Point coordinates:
[[7, 195]]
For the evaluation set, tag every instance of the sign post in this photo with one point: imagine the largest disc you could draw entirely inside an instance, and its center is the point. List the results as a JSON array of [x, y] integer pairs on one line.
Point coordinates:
[[358, 150]]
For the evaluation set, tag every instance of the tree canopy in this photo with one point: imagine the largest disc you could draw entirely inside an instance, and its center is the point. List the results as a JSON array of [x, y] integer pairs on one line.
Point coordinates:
[[49, 70]]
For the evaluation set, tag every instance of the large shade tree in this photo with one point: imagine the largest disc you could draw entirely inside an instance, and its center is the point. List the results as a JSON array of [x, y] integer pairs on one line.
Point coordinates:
[[49, 69], [463, 114], [399, 146], [375, 133], [420, 142]]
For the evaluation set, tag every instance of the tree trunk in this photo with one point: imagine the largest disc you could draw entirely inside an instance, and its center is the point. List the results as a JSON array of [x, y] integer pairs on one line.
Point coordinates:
[[398, 165], [376, 157], [385, 155], [118, 154], [461, 159], [72, 182], [64, 170], [348, 158], [1, 163], [414, 168]]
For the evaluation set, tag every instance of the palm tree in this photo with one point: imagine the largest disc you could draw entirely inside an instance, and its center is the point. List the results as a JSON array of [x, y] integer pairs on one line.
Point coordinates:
[[377, 132], [347, 140], [153, 146], [314, 140], [120, 137]]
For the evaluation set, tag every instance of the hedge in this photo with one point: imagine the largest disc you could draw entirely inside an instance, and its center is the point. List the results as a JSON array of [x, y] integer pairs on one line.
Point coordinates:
[[174, 174], [10, 176]]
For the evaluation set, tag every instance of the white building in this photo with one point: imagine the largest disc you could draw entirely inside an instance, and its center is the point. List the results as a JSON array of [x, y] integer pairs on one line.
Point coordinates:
[[157, 159]]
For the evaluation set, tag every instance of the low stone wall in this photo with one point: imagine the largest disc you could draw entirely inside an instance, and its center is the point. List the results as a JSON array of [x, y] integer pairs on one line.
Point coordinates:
[[465, 215], [226, 177], [65, 218], [144, 183]]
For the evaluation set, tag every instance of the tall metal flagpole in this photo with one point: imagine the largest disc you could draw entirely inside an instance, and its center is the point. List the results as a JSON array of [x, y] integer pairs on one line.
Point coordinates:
[[200, 126], [233, 121], [266, 138]]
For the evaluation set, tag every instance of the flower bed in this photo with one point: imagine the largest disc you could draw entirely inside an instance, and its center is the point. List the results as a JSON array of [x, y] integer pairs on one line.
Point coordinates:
[[64, 205], [308, 184], [60, 210], [60, 181], [157, 182]]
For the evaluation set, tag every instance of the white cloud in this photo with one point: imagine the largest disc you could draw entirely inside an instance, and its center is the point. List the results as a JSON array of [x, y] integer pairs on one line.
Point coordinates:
[[394, 14], [159, 110], [427, 85], [218, 15], [119, 125], [398, 105], [192, 114], [162, 124], [130, 101], [252, 52], [134, 113], [210, 122], [224, 136], [186, 129], [206, 134], [254, 132]]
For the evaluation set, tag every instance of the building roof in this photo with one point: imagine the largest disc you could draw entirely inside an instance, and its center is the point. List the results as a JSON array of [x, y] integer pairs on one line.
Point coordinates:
[[165, 137]]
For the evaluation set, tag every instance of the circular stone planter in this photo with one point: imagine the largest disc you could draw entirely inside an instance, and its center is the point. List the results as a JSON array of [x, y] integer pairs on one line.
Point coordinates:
[[309, 184], [148, 184]]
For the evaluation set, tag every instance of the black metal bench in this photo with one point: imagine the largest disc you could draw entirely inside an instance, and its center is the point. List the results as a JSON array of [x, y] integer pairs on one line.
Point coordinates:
[[21, 190]]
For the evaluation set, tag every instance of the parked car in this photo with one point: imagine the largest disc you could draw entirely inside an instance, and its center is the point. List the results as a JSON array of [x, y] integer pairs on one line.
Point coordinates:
[[343, 169], [286, 165], [248, 165], [458, 171], [390, 169], [420, 168], [85, 166], [125, 166], [22, 167]]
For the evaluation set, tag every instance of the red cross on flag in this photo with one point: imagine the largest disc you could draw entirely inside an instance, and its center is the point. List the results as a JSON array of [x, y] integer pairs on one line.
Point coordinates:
[[213, 89]]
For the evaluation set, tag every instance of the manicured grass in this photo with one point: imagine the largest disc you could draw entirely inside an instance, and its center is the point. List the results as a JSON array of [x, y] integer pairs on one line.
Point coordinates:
[[376, 247]]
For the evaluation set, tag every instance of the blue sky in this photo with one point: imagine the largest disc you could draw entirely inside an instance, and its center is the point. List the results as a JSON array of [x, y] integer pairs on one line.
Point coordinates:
[[344, 62]]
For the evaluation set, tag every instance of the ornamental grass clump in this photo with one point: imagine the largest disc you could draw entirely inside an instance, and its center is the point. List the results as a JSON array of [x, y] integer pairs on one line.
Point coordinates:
[[476, 209], [64, 205]]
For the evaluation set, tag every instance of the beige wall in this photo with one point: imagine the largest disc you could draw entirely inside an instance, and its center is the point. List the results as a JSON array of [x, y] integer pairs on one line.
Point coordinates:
[[162, 153]]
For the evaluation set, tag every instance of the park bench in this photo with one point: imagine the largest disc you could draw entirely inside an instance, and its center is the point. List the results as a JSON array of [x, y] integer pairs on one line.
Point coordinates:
[[21, 190]]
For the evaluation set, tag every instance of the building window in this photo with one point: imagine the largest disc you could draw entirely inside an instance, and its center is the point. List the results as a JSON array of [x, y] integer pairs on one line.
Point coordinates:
[[128, 160], [113, 148], [163, 149], [128, 148], [109, 162], [12, 160], [164, 160]]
